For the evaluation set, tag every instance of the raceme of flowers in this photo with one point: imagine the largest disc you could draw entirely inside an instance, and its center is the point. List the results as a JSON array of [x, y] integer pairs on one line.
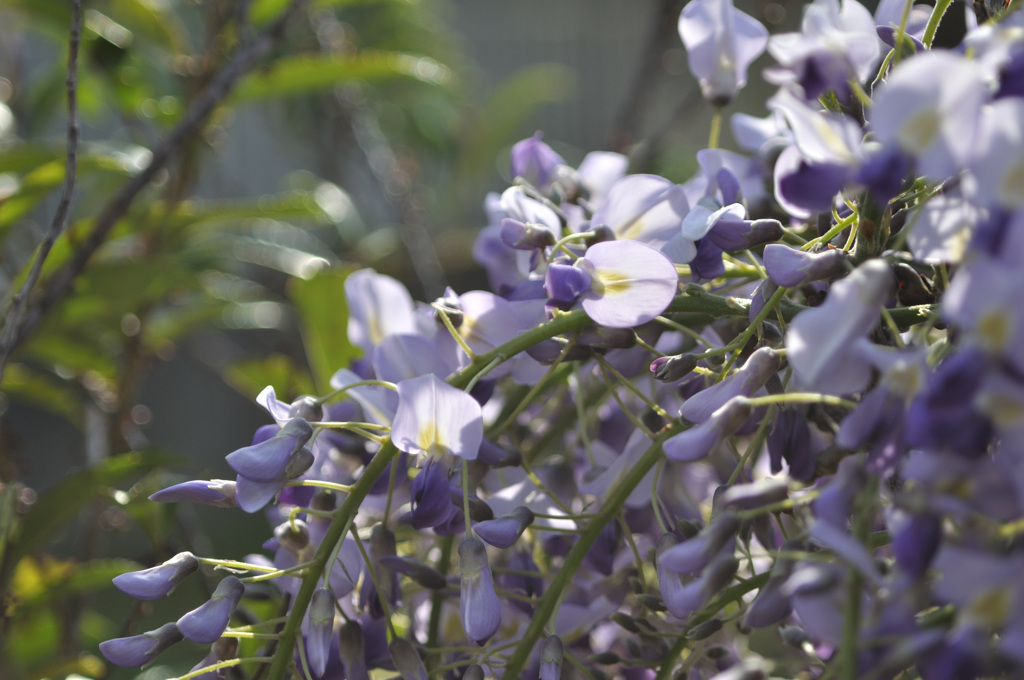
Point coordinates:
[[767, 422]]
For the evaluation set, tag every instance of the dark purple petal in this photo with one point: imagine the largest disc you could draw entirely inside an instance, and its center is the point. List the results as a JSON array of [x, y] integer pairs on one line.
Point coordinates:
[[139, 650], [267, 460], [916, 542], [811, 186], [207, 622], [158, 581], [504, 531], [431, 501], [216, 492], [733, 234], [564, 282], [790, 267]]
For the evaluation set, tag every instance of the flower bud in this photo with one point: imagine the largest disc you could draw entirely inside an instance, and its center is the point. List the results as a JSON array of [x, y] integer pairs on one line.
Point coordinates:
[[407, 660], [478, 603], [670, 369], [207, 622], [734, 234], [321, 626], [217, 492], [139, 650], [306, 408], [551, 658], [790, 267], [351, 650], [504, 531], [156, 582], [535, 161], [525, 235], [293, 535], [417, 571], [473, 672]]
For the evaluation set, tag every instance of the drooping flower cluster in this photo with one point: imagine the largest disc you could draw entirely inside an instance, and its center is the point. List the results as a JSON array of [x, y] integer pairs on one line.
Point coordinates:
[[786, 394]]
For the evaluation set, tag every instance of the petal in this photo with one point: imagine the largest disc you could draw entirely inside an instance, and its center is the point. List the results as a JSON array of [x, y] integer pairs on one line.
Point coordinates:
[[207, 622], [435, 418], [156, 582], [632, 283], [478, 603]]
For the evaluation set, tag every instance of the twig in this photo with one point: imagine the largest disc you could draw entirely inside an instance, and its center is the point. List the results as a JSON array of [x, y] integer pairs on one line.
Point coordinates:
[[662, 34], [60, 216], [219, 88]]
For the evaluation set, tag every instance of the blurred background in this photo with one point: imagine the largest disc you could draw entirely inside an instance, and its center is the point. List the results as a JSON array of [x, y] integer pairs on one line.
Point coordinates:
[[367, 136]]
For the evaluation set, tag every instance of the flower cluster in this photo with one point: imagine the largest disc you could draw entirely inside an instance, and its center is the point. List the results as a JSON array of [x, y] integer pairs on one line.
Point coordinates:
[[785, 396]]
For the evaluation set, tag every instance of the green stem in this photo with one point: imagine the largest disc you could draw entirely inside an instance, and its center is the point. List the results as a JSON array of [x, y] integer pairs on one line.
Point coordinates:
[[933, 21], [716, 128], [609, 511]]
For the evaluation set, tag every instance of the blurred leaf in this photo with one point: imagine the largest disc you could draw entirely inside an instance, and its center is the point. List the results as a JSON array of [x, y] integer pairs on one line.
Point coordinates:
[[66, 499], [43, 390], [323, 321], [48, 176], [284, 206], [151, 23], [34, 640], [68, 581], [305, 74], [250, 377]]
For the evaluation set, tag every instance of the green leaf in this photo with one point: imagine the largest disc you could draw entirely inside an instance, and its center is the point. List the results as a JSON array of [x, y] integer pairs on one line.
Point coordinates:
[[323, 315], [66, 499], [305, 74]]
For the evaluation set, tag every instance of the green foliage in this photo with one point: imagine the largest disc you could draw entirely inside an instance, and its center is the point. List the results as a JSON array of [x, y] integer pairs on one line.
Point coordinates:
[[182, 263]]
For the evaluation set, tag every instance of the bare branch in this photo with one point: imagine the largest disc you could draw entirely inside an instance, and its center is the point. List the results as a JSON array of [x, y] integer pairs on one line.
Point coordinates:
[[62, 282], [8, 338]]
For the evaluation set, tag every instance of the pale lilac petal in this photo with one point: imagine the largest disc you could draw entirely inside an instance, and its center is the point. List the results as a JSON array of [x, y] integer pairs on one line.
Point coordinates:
[[929, 107], [435, 418], [721, 42], [819, 340], [644, 208], [402, 356], [632, 283], [478, 603], [1000, 160], [940, 230], [378, 306]]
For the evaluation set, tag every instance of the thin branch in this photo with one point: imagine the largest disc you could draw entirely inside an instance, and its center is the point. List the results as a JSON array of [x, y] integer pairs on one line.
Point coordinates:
[[62, 282], [662, 35], [60, 216]]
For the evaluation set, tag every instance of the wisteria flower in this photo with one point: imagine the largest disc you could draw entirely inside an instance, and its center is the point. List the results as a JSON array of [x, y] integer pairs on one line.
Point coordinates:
[[929, 107], [158, 581], [620, 284], [478, 603], [721, 43], [436, 419], [820, 341]]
